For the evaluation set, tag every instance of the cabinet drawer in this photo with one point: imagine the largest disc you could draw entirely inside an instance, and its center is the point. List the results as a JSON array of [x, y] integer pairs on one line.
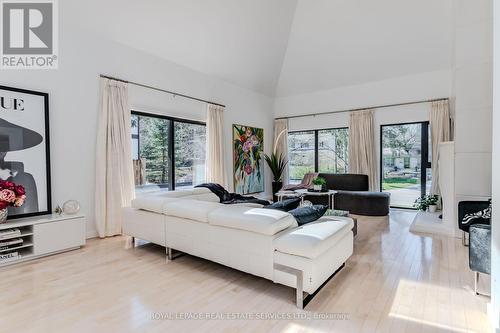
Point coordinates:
[[58, 236]]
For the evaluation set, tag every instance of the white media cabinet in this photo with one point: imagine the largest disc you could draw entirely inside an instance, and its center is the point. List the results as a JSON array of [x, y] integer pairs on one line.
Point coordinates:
[[44, 235]]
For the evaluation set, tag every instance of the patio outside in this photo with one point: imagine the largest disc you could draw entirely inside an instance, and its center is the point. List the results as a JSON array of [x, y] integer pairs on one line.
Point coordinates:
[[402, 165]]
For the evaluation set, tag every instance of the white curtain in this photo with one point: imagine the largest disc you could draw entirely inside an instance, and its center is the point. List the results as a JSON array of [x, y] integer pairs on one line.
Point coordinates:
[[362, 146], [439, 120], [114, 170], [215, 161], [281, 143]]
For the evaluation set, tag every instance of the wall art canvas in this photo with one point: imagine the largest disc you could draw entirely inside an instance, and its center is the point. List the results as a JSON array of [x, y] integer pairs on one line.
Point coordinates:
[[24, 148], [248, 150]]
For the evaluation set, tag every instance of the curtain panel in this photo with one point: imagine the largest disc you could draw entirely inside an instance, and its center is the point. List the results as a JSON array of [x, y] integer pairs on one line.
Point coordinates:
[[215, 164], [362, 146], [115, 187], [439, 121], [281, 143]]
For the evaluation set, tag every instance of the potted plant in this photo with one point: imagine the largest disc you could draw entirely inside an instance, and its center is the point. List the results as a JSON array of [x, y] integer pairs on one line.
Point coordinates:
[[432, 201], [318, 183], [277, 164], [421, 203], [10, 195], [427, 202]]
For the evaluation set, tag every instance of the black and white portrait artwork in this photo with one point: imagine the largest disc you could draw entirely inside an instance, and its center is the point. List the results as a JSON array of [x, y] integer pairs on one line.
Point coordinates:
[[24, 148]]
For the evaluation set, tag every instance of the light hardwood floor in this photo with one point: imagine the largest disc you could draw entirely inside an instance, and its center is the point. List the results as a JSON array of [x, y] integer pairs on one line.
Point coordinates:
[[396, 281]]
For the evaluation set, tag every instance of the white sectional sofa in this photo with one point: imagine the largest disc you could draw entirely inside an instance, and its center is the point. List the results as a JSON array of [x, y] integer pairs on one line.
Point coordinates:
[[264, 242]]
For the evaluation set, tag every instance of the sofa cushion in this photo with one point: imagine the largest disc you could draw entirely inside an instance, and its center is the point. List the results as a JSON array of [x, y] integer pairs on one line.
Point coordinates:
[[259, 220], [312, 239], [345, 181], [204, 197], [308, 214], [285, 205], [153, 203], [246, 204], [174, 194], [201, 190], [191, 209], [363, 203]]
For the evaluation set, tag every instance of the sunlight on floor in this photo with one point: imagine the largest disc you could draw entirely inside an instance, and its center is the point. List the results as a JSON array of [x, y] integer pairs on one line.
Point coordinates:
[[139, 313], [428, 323], [431, 305], [296, 328]]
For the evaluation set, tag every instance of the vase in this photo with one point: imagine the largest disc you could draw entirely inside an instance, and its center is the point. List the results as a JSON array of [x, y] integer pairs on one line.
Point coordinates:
[[276, 188], [318, 187], [432, 208], [3, 215], [71, 207]]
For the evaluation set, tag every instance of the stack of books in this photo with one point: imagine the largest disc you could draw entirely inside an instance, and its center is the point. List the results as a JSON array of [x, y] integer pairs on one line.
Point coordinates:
[[9, 238], [8, 256], [5, 244], [9, 233]]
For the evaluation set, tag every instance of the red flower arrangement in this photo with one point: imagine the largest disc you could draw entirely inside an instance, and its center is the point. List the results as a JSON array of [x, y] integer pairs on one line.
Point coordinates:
[[11, 194]]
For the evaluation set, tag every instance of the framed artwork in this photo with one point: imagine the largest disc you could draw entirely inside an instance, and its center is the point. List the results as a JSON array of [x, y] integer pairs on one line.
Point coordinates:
[[25, 148], [248, 150]]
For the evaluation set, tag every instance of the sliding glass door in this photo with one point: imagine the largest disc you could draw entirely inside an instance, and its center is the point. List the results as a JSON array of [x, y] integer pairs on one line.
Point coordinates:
[[405, 162]]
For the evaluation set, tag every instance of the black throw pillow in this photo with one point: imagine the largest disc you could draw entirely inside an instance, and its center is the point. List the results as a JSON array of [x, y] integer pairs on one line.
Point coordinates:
[[285, 205], [308, 214]]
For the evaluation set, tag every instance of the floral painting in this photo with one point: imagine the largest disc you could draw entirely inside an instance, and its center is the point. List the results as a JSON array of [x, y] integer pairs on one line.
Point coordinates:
[[248, 147]]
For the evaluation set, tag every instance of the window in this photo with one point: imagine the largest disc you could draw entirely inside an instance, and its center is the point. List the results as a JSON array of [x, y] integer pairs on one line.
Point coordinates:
[[406, 168], [150, 151], [189, 146], [300, 155], [317, 151], [167, 153], [333, 150]]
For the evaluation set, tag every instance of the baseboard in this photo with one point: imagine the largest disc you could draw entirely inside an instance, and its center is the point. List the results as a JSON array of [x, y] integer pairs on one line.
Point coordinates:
[[91, 234]]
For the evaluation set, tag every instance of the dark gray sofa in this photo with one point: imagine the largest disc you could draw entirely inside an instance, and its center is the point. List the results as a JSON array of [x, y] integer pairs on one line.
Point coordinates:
[[353, 195]]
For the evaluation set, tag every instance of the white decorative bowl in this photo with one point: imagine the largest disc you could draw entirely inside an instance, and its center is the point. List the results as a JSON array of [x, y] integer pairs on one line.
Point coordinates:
[[71, 207]]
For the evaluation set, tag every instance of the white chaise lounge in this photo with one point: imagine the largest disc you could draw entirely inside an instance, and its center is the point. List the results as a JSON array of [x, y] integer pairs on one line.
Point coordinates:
[[264, 242]]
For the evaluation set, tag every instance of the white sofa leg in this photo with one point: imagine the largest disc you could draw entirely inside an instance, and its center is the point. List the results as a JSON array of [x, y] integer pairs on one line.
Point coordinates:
[[299, 289], [171, 255]]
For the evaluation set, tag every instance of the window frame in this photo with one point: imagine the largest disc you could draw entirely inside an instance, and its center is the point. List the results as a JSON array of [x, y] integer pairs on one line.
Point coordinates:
[[424, 155], [316, 142], [171, 139]]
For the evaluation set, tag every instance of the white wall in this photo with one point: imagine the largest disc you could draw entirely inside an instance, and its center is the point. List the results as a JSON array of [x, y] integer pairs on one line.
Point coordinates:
[[157, 102], [398, 90], [73, 90], [495, 222], [472, 90]]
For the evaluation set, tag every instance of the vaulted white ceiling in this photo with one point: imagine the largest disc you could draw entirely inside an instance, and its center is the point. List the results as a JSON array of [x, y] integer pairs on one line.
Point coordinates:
[[282, 47], [240, 41], [336, 43]]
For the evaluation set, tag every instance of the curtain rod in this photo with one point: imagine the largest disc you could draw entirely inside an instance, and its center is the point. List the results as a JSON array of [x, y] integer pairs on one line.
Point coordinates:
[[366, 108], [162, 90]]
